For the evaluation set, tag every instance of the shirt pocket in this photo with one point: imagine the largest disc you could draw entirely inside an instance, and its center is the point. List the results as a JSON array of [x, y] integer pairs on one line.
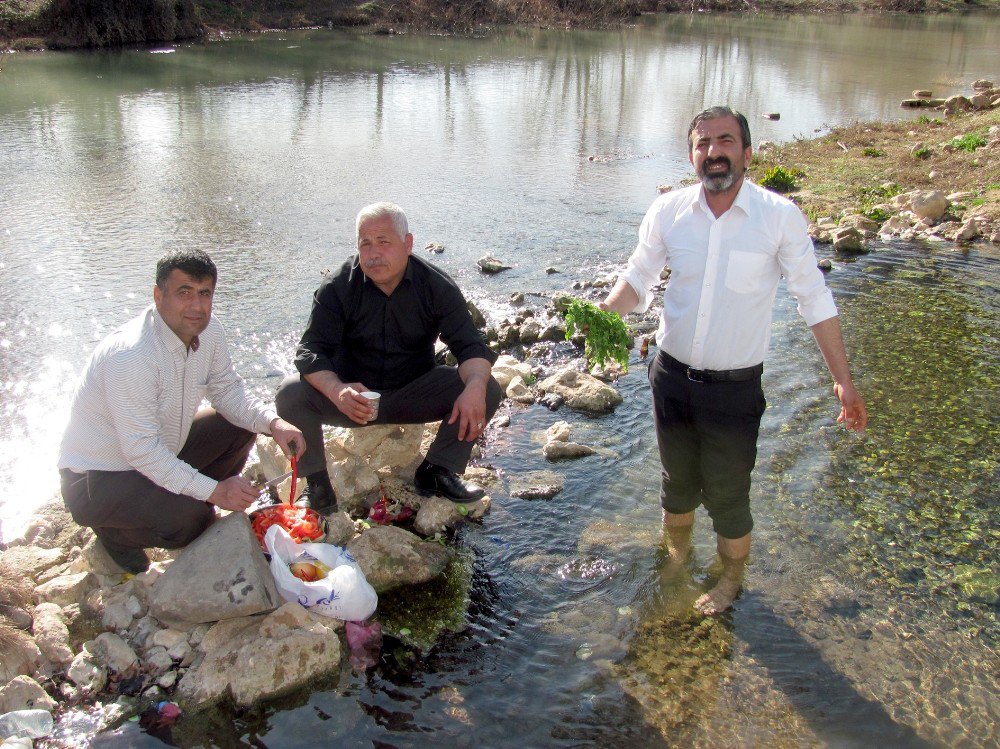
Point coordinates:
[[747, 271]]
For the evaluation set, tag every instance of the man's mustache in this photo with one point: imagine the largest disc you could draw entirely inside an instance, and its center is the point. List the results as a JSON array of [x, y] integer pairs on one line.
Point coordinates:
[[717, 160], [373, 263]]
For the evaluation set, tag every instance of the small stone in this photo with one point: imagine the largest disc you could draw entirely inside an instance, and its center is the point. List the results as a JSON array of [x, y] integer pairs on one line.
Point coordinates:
[[825, 265]]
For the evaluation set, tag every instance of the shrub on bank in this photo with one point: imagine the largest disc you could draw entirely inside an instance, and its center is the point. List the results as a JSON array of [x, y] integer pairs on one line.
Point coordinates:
[[106, 23]]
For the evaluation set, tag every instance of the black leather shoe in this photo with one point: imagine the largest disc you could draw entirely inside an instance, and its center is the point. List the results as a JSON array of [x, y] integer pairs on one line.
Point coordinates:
[[318, 494], [432, 479], [130, 560]]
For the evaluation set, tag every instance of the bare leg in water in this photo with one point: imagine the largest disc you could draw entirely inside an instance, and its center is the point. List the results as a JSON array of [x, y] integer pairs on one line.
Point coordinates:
[[733, 552], [678, 537]]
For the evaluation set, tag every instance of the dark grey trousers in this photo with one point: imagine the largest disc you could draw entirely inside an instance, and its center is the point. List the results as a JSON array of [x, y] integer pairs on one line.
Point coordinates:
[[128, 511], [430, 397]]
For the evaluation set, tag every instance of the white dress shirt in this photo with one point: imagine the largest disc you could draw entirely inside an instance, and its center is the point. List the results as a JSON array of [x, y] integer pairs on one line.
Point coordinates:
[[133, 406], [724, 274]]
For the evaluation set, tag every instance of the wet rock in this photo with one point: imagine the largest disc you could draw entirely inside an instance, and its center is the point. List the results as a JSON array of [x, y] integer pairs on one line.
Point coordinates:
[[922, 94], [24, 693], [552, 401], [489, 264], [565, 450], [517, 298], [536, 485], [558, 432], [848, 239], [19, 727], [957, 103], [896, 225], [555, 332], [581, 391], [507, 368], [508, 336], [392, 557], [550, 270], [518, 392], [531, 332], [477, 317], [860, 222], [825, 265], [52, 634], [220, 575], [435, 247]]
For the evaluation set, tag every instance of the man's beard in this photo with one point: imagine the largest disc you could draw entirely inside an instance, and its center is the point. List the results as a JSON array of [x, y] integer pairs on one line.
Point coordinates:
[[719, 182]]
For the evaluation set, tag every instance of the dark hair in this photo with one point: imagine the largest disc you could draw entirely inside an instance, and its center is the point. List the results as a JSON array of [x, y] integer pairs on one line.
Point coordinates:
[[195, 263], [714, 113]]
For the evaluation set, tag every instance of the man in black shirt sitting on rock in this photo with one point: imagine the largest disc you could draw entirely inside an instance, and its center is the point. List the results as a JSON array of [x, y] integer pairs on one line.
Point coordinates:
[[373, 326]]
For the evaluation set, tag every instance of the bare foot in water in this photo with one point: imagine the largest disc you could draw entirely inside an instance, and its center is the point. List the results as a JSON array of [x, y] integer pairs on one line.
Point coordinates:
[[720, 598]]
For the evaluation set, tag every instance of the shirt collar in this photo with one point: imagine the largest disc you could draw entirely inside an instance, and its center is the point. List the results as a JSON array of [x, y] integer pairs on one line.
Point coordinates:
[[169, 337], [743, 201]]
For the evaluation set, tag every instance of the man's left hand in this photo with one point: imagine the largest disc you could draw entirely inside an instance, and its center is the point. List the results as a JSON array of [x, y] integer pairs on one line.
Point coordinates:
[[288, 437], [470, 410], [853, 414]]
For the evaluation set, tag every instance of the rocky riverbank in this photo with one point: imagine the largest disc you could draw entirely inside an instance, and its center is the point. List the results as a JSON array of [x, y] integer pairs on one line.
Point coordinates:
[[935, 178]]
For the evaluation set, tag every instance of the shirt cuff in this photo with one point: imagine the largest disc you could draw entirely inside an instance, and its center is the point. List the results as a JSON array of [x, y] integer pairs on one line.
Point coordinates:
[[262, 424], [201, 487]]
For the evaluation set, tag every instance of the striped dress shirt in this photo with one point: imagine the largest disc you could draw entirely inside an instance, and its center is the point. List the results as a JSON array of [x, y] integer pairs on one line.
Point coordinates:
[[139, 392]]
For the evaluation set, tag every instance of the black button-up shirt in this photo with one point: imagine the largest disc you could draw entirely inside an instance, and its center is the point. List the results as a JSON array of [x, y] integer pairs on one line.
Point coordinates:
[[384, 341]]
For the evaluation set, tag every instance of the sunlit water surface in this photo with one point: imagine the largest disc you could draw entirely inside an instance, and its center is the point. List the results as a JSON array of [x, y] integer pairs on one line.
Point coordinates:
[[869, 617]]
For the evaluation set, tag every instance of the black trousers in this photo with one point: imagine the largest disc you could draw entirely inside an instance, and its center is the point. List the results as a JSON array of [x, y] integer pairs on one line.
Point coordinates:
[[430, 397], [128, 511], [707, 436]]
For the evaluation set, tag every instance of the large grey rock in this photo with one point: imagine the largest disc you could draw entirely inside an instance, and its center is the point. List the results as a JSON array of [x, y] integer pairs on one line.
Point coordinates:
[[24, 693], [928, 204], [52, 634], [221, 575], [277, 654], [582, 391], [392, 557]]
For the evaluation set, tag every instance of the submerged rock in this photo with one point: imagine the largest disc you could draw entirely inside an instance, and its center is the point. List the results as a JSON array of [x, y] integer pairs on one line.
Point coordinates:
[[582, 391], [489, 264]]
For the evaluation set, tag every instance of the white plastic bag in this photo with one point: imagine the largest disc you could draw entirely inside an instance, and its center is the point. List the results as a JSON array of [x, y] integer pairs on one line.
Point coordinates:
[[342, 594]]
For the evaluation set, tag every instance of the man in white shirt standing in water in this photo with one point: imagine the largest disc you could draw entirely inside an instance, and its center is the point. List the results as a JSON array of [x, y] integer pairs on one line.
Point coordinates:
[[727, 242]]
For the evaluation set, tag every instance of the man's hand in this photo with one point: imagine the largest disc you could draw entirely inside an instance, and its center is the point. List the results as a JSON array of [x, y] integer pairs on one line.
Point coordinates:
[[288, 437], [349, 401], [470, 406], [235, 493], [853, 414]]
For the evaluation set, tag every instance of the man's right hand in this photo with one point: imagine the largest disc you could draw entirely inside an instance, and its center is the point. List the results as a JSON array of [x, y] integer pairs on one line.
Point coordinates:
[[235, 494], [349, 401]]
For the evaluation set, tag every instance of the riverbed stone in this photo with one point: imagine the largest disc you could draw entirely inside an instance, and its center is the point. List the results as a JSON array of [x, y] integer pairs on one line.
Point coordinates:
[[531, 332], [489, 264], [220, 575], [392, 557], [87, 673], [558, 432], [507, 368], [52, 634], [536, 484], [848, 239], [582, 391], [518, 392], [24, 693], [967, 231], [860, 222], [557, 450]]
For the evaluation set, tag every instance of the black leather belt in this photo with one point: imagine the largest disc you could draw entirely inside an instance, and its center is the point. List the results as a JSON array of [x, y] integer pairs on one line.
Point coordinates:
[[711, 375]]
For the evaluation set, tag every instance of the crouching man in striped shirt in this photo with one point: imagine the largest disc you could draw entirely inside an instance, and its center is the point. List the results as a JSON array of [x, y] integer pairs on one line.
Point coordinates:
[[139, 463]]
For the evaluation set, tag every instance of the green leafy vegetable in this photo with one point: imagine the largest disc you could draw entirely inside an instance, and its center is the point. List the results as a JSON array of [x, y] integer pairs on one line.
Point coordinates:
[[607, 337]]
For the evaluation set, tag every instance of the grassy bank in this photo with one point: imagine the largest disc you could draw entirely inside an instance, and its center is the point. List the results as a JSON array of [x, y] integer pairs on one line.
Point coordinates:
[[857, 167], [27, 24]]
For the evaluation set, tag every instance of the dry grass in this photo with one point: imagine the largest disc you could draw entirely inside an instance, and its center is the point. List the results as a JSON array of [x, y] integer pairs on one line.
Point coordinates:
[[837, 175]]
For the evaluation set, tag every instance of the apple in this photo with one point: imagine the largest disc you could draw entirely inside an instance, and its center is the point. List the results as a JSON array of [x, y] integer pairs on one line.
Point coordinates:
[[305, 571]]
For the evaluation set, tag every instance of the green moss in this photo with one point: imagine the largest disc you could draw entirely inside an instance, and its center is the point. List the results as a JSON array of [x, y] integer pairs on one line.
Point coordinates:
[[418, 615]]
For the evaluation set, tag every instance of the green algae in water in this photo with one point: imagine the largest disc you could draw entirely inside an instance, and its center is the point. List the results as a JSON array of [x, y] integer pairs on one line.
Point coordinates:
[[925, 353], [418, 615]]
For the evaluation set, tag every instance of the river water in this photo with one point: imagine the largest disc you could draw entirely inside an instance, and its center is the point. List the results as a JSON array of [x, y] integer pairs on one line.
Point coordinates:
[[870, 612]]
